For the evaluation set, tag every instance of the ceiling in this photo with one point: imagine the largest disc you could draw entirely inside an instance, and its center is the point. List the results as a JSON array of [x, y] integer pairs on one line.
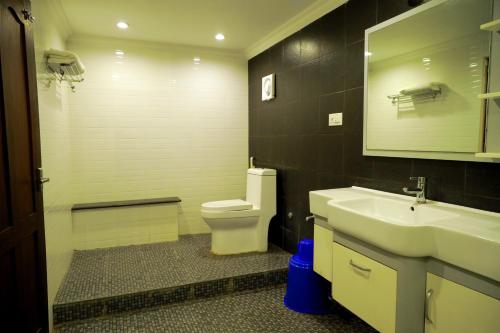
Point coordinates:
[[189, 22]]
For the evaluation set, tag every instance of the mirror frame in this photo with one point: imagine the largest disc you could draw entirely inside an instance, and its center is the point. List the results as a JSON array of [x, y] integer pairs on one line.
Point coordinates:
[[407, 153]]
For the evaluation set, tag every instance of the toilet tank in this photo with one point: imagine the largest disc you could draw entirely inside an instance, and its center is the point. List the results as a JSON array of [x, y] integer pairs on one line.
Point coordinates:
[[261, 189]]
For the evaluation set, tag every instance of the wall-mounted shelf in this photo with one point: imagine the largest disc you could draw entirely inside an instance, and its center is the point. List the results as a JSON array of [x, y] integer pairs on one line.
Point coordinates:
[[489, 95], [64, 66], [491, 26], [488, 155]]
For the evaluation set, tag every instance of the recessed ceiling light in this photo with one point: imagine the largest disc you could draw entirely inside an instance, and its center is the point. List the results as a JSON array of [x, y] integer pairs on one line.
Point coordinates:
[[119, 52], [220, 36], [196, 60], [122, 25]]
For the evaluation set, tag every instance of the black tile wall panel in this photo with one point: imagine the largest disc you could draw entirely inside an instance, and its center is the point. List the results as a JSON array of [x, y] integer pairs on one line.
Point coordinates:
[[319, 70]]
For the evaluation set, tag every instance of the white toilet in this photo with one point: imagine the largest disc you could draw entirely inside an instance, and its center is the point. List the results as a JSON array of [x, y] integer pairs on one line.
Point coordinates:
[[240, 226]]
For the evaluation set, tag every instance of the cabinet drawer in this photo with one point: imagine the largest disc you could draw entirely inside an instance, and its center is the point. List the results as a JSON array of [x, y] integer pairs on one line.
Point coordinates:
[[365, 287], [322, 259]]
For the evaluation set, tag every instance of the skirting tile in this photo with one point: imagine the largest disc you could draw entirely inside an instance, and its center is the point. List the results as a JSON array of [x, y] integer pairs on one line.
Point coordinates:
[[211, 288], [171, 295], [77, 311], [127, 302]]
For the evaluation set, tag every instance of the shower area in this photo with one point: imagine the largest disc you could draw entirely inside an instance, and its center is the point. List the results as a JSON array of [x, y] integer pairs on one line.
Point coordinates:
[[129, 129]]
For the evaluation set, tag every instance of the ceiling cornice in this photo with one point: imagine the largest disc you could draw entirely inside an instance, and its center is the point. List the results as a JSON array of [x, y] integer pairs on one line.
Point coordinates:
[[302, 19], [121, 42]]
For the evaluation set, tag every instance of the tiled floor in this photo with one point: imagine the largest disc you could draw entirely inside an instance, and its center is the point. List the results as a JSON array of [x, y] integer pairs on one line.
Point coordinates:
[[117, 271], [253, 312]]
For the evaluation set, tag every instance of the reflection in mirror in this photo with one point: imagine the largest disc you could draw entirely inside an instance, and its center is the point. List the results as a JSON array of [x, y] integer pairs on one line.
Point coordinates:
[[425, 70]]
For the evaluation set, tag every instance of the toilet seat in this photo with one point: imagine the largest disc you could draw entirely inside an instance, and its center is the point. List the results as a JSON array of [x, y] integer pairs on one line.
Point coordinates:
[[227, 205], [229, 214], [228, 209]]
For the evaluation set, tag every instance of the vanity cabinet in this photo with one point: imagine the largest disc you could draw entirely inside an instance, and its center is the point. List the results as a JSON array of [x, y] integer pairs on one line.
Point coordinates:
[[385, 280], [452, 307], [365, 287], [322, 260]]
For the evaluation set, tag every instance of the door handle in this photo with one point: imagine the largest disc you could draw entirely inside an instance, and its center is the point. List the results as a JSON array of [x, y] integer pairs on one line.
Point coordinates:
[[41, 179], [427, 305]]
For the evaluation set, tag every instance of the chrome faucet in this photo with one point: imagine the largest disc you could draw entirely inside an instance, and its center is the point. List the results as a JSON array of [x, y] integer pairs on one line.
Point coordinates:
[[418, 191]]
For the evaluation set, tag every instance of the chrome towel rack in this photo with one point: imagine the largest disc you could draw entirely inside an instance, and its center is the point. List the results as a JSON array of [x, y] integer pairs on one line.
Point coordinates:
[[422, 93], [64, 66]]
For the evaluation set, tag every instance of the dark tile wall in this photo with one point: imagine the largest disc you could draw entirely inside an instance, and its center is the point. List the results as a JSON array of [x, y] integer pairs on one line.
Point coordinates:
[[319, 70]]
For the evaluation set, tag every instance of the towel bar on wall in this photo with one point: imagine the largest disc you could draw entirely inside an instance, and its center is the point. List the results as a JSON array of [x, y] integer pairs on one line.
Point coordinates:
[[417, 94]]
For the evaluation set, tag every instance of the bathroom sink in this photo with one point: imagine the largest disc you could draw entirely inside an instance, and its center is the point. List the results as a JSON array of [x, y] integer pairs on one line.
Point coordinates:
[[392, 211], [318, 199], [465, 237], [395, 225]]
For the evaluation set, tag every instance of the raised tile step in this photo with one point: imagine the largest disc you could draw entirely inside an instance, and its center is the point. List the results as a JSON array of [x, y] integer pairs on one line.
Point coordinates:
[[116, 280], [153, 298], [260, 311]]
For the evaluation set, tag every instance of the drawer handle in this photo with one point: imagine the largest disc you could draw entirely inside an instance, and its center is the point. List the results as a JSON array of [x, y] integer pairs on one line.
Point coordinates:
[[361, 268], [427, 302]]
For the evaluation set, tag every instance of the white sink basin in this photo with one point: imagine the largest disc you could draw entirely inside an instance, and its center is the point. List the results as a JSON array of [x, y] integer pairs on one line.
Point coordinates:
[[399, 212], [465, 237], [318, 200]]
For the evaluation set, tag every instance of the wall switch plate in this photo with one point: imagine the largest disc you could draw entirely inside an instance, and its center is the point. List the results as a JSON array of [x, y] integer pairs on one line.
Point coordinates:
[[335, 119]]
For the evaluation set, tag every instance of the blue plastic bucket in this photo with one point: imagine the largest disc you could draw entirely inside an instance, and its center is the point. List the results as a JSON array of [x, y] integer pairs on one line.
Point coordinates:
[[307, 292]]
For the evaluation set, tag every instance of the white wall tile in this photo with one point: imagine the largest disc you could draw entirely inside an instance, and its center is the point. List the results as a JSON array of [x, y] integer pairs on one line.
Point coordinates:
[[97, 228], [153, 124], [56, 151]]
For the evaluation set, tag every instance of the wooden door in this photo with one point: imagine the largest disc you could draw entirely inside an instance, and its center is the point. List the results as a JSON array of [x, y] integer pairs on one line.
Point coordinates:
[[23, 285]]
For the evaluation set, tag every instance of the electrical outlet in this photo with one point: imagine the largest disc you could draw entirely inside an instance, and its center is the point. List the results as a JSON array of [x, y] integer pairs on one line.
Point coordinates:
[[335, 119]]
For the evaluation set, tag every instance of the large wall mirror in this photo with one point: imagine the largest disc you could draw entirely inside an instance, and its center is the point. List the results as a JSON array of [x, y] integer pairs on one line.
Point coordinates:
[[431, 83]]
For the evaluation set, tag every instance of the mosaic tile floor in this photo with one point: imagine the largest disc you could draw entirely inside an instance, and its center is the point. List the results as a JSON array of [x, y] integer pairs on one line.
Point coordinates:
[[124, 270], [253, 312]]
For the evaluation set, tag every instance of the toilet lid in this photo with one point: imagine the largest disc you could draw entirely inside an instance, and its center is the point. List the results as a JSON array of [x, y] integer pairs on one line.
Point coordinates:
[[227, 205]]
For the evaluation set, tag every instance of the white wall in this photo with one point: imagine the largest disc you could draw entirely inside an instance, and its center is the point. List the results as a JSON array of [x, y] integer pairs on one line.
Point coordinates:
[[154, 124], [50, 32]]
